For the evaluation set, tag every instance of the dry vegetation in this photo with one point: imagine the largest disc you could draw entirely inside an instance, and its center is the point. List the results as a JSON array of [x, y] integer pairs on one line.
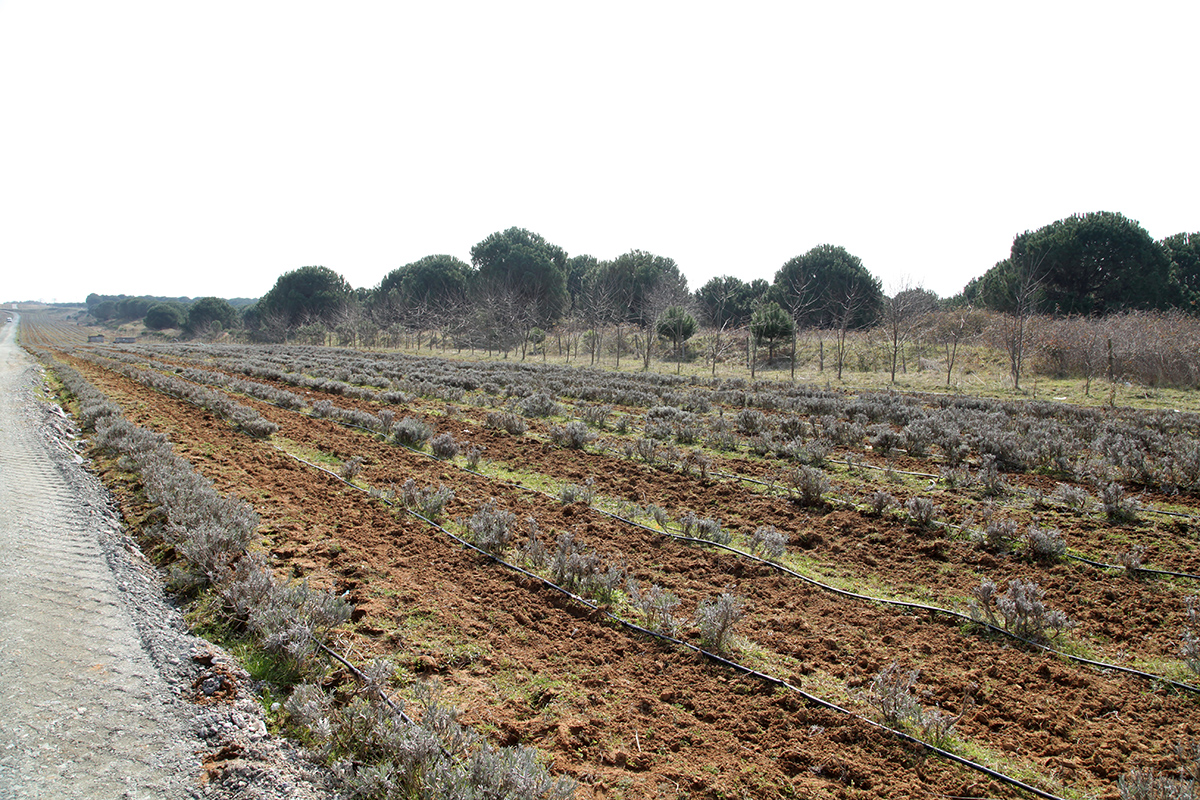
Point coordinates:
[[661, 585]]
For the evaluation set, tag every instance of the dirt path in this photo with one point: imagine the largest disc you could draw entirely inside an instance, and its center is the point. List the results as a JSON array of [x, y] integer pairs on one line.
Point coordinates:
[[86, 711]]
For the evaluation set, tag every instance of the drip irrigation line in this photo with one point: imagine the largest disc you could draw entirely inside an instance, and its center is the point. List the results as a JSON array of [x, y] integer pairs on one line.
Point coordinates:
[[957, 615], [711, 656], [1187, 687], [734, 476], [1137, 570]]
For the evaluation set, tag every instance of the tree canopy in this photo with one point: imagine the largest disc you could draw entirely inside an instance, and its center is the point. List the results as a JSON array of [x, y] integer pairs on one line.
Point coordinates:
[[1086, 264], [528, 266], [161, 316], [306, 295], [634, 279], [728, 300], [1184, 251], [437, 281], [770, 324], [211, 313], [829, 287]]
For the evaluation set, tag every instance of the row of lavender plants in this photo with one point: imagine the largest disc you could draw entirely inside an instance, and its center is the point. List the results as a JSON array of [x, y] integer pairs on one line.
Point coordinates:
[[1156, 449], [374, 751]]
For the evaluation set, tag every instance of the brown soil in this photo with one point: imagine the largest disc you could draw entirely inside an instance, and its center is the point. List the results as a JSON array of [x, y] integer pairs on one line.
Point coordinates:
[[629, 716]]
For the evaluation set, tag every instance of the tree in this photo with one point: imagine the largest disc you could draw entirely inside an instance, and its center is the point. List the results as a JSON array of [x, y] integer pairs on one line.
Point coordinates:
[[210, 314], [438, 279], [1184, 251], [822, 281], [133, 307], [642, 285], [104, 310], [677, 325], [1015, 287], [771, 324], [306, 295], [580, 269], [162, 316], [729, 301], [901, 314], [525, 264], [1093, 263]]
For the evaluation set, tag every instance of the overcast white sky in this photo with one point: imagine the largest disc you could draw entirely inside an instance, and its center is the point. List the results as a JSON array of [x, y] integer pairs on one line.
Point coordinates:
[[205, 148]]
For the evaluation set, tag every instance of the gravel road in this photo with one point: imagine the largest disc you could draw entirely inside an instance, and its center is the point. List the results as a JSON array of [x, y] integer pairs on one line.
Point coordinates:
[[96, 669]]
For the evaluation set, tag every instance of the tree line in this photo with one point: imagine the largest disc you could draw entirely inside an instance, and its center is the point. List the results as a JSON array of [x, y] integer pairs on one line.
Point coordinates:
[[517, 287]]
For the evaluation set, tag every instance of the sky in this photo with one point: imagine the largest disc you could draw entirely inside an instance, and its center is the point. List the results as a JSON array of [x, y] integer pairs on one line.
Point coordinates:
[[206, 148]]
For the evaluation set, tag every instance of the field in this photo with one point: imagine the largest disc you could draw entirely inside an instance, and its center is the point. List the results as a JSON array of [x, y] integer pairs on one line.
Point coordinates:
[[806, 551]]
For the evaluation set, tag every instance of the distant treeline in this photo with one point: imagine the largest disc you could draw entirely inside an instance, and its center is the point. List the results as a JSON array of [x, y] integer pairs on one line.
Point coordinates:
[[203, 315]]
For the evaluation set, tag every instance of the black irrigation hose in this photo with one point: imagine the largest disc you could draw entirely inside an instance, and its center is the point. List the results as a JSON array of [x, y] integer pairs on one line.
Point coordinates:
[[899, 603], [1137, 570], [1153, 678], [738, 667]]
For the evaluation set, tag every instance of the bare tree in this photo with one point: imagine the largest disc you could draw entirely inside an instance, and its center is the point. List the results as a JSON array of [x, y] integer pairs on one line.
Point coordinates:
[[800, 300], [1023, 291], [902, 313], [843, 308]]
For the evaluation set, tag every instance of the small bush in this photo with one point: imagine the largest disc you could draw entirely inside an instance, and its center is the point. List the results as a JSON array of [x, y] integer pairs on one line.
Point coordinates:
[[1147, 784], [716, 619], [506, 421], [574, 493], [751, 422], [584, 572], [574, 435], [1118, 506], [657, 606], [880, 501], [1190, 649], [491, 528], [473, 456], [1044, 544], [1020, 611], [807, 485], [444, 446], [999, 535], [429, 503], [539, 405], [769, 541], [411, 432], [1131, 560], [891, 695], [350, 469], [991, 479], [596, 416], [921, 511], [1073, 497]]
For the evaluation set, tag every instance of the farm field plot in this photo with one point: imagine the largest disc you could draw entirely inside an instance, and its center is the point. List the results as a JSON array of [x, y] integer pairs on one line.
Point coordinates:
[[875, 551]]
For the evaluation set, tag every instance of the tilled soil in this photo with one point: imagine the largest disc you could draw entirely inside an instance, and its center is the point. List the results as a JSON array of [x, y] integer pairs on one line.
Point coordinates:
[[626, 715]]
